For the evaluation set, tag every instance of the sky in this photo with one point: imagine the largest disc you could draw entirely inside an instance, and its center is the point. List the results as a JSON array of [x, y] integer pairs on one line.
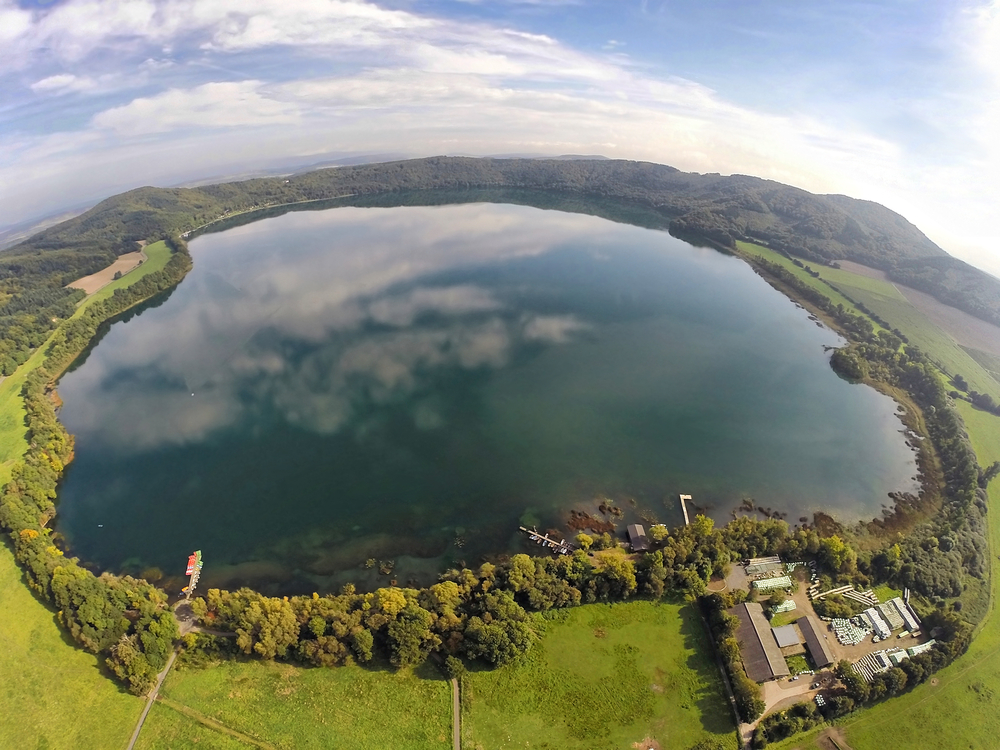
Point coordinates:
[[896, 101]]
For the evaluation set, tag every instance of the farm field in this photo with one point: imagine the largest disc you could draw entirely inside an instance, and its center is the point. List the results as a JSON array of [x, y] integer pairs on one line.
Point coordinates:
[[285, 706], [12, 442], [603, 676], [884, 300], [961, 708], [53, 694]]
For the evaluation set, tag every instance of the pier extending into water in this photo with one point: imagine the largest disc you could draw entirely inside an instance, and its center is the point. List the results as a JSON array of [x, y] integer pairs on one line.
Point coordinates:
[[684, 507], [561, 547]]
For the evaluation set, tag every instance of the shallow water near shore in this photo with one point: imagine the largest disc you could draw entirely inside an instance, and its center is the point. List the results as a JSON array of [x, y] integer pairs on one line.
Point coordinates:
[[371, 394]]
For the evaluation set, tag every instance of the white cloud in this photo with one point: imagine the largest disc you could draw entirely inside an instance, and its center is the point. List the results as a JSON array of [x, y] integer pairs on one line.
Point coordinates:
[[211, 105], [395, 80], [63, 82]]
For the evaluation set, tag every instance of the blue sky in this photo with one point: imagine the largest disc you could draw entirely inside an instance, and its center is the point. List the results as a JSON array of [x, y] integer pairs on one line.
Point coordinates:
[[894, 101]]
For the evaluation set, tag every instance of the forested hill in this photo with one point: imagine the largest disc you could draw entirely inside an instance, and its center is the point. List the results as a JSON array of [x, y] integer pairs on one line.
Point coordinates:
[[820, 228]]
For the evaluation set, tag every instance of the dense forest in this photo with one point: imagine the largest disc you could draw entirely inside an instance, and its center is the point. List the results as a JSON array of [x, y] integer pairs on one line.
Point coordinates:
[[820, 228]]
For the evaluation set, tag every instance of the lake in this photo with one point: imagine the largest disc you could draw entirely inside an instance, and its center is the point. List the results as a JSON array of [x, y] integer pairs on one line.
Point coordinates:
[[332, 393]]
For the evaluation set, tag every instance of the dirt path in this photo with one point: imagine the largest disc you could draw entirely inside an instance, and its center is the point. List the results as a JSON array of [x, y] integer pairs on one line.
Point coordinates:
[[152, 697], [456, 716], [212, 723]]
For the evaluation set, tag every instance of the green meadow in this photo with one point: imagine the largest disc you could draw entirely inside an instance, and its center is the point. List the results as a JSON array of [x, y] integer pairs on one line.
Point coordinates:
[[603, 676], [883, 299], [285, 706], [748, 248], [54, 695]]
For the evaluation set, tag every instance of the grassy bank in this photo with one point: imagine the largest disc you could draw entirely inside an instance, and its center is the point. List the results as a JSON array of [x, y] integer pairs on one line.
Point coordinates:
[[286, 706], [750, 249], [604, 676], [52, 694], [12, 430]]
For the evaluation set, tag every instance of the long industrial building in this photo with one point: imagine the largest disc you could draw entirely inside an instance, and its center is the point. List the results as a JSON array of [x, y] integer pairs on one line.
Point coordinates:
[[816, 642], [762, 658]]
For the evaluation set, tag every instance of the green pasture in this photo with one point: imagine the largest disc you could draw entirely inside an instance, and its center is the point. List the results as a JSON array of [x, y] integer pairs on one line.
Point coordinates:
[[12, 430], [885, 592], [168, 729], [603, 676], [285, 706], [52, 694], [749, 248], [989, 362]]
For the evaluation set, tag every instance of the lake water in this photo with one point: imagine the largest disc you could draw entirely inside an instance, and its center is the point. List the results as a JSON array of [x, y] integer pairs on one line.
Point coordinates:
[[409, 384]]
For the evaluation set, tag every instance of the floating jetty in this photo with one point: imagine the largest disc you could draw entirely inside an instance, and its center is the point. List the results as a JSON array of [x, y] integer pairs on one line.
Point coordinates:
[[684, 507], [561, 547]]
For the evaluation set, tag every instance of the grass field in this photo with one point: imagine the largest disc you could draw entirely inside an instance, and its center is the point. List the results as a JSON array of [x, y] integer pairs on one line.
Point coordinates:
[[285, 706], [12, 430], [990, 362], [52, 694], [168, 729], [767, 254], [604, 676], [885, 592]]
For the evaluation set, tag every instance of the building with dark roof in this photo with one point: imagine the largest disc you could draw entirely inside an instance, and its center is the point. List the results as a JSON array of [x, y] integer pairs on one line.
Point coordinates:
[[637, 537], [816, 643], [762, 658]]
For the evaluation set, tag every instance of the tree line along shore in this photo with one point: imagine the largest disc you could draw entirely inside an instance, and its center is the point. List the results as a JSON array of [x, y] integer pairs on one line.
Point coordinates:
[[934, 543]]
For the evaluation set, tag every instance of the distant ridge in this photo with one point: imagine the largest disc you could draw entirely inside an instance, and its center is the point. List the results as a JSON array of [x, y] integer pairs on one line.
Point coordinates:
[[818, 228]]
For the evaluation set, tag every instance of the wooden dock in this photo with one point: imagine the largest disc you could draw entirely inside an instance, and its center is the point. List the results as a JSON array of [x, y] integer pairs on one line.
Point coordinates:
[[561, 547], [684, 507]]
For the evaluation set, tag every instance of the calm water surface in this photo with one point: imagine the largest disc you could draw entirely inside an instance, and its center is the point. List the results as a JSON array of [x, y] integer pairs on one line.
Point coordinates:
[[410, 384]]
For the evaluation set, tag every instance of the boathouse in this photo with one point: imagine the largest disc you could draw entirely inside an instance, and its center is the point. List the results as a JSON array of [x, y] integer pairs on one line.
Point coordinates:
[[637, 537]]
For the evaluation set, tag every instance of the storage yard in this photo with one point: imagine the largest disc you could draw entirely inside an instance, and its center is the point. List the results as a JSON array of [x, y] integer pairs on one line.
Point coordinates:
[[875, 640]]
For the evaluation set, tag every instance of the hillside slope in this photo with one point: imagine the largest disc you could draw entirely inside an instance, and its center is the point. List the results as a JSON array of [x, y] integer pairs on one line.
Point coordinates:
[[819, 228]]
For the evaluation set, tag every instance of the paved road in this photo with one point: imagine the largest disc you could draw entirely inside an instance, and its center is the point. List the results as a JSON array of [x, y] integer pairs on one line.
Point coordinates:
[[152, 697], [456, 717]]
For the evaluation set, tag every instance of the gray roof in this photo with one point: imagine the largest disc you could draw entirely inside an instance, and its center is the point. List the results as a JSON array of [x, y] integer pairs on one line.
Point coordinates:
[[819, 648], [637, 536], [786, 636], [762, 658]]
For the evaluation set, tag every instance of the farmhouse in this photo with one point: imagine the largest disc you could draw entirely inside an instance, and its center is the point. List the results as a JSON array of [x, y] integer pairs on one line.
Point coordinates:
[[762, 658]]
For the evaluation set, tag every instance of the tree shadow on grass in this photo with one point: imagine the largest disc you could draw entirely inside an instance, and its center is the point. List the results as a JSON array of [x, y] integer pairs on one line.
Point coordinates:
[[64, 635], [710, 697]]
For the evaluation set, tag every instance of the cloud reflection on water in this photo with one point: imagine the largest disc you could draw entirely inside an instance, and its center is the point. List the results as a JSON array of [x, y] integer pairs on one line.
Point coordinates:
[[345, 322]]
